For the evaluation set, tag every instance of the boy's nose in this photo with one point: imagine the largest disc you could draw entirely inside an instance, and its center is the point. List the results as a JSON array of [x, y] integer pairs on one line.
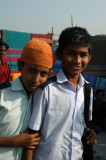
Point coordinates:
[[77, 58], [2, 51], [36, 78]]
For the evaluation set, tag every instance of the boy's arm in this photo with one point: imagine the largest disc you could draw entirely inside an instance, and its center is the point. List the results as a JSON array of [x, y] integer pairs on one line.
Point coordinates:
[[22, 140], [28, 153], [38, 113]]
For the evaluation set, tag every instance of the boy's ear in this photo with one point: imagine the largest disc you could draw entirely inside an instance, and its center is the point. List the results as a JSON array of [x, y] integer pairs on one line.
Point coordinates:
[[58, 55], [19, 64], [89, 56]]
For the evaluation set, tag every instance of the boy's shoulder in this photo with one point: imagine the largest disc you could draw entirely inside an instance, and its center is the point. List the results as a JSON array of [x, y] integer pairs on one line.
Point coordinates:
[[4, 85], [87, 84], [50, 80]]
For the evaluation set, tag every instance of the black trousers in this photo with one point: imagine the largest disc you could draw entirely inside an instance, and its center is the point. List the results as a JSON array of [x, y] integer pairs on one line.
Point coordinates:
[[88, 152]]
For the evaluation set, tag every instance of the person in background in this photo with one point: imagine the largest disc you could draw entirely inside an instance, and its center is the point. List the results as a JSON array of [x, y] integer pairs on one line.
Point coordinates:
[[16, 100], [58, 104], [98, 122], [4, 67]]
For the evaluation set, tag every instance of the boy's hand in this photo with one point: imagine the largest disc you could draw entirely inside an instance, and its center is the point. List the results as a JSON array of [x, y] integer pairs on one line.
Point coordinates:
[[90, 136], [28, 140]]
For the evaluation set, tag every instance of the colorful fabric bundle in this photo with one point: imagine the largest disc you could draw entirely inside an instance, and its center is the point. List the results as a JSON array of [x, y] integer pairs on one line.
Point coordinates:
[[100, 83], [45, 37], [96, 82], [16, 41]]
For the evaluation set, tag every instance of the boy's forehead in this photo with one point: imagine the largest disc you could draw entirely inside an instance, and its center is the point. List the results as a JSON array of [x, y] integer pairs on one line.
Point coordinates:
[[3, 46], [100, 93], [77, 47], [35, 66]]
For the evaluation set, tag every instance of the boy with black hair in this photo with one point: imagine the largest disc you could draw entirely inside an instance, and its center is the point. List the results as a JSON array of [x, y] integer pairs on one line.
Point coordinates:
[[100, 94], [16, 100], [98, 122], [58, 105], [4, 67]]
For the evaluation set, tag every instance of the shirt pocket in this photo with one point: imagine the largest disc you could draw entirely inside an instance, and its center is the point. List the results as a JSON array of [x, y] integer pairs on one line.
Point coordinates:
[[57, 108]]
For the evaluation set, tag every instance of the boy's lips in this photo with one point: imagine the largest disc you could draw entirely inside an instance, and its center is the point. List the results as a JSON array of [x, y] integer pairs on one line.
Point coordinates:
[[34, 86], [76, 67]]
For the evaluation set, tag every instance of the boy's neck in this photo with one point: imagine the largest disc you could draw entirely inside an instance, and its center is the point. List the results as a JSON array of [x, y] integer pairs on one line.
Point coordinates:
[[72, 78], [0, 61], [98, 102], [74, 81], [27, 92]]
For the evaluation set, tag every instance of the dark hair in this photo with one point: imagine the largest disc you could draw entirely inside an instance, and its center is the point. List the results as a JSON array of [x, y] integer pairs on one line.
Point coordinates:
[[75, 35], [23, 63], [4, 44], [100, 90], [20, 64]]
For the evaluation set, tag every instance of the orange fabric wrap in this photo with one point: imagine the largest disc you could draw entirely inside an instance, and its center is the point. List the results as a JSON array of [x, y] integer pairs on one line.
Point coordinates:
[[38, 52]]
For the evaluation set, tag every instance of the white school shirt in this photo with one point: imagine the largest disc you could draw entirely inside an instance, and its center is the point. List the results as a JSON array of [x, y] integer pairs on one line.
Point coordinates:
[[15, 111], [58, 112]]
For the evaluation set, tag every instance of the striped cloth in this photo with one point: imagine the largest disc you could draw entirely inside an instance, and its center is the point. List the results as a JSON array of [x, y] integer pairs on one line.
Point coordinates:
[[4, 72], [44, 37], [96, 82]]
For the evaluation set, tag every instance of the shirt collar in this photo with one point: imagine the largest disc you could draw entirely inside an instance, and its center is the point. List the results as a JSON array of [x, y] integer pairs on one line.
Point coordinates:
[[17, 85], [81, 81], [61, 78], [4, 60]]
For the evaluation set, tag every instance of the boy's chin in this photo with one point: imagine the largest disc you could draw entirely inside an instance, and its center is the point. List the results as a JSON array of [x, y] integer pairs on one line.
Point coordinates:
[[76, 73], [33, 89]]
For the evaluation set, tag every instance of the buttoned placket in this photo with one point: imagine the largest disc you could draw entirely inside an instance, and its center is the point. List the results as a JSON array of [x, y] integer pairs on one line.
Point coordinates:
[[74, 114]]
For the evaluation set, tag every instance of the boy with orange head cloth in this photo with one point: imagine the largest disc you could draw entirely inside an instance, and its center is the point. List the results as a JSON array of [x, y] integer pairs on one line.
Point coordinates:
[[16, 100]]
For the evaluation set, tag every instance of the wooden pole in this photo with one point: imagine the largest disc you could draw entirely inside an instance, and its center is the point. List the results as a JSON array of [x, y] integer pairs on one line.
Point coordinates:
[[72, 21], [52, 32]]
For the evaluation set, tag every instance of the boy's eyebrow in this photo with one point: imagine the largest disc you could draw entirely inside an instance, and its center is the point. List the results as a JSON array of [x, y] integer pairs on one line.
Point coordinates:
[[76, 51], [36, 70], [84, 52], [32, 69], [44, 71], [71, 49]]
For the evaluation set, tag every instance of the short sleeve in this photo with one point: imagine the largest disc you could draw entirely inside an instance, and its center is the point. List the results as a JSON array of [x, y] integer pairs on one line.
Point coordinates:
[[39, 108]]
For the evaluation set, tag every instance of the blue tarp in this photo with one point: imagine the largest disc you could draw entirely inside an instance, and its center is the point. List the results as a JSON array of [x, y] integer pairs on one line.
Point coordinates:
[[57, 64]]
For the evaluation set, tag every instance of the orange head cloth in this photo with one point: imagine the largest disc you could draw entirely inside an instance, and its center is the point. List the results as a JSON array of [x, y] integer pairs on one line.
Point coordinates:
[[38, 52]]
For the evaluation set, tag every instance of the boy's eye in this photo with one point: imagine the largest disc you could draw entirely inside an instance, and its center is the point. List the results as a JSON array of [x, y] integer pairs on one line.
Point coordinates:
[[43, 74], [2, 50], [71, 53], [31, 71], [83, 55]]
